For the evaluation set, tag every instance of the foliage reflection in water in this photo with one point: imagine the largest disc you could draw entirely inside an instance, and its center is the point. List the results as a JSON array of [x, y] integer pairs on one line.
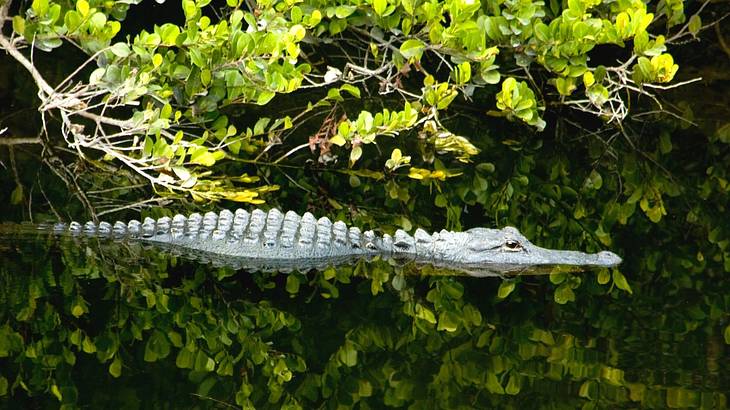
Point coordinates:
[[179, 333]]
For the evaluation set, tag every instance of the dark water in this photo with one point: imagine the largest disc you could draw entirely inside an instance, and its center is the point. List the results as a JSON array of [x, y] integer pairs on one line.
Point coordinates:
[[95, 323]]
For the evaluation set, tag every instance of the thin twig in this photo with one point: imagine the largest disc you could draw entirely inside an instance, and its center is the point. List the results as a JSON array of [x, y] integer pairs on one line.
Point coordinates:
[[675, 85], [20, 141], [721, 40], [137, 205]]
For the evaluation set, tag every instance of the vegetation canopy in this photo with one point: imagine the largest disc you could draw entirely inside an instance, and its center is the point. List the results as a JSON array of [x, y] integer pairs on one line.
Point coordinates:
[[163, 101]]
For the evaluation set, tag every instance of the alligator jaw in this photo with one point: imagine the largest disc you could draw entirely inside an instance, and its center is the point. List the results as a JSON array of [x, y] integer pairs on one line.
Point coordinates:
[[541, 256], [482, 247], [536, 261]]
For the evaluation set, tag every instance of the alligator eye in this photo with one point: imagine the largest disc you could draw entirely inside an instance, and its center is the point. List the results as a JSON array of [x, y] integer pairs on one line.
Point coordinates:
[[512, 245]]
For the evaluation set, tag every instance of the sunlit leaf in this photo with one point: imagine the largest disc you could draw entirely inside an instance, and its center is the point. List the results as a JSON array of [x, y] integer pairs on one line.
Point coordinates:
[[695, 24], [412, 48], [505, 288], [115, 368], [620, 281]]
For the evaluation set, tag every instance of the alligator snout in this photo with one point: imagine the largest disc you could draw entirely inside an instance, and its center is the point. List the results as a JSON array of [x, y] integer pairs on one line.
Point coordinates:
[[608, 258]]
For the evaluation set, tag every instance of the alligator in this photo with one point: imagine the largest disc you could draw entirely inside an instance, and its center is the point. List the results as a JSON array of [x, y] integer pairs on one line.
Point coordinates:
[[286, 241]]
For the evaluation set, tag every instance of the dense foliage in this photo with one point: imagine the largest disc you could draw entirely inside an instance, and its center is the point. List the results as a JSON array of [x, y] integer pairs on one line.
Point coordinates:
[[162, 101]]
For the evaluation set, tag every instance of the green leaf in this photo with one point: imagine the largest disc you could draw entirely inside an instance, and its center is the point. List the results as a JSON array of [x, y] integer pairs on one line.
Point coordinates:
[[351, 89], [19, 28], [197, 58], [447, 322], [260, 127], [398, 282], [379, 6], [121, 50], [39, 7], [296, 14], [594, 181], [175, 338], [493, 384], [298, 32], [425, 313], [16, 197], [203, 157], [365, 389], [225, 367], [348, 355], [505, 288], [355, 154], [265, 97], [565, 85], [338, 140], [513, 385], [205, 76], [292, 284], [491, 76], [588, 79], [56, 392], [344, 11], [412, 48], [98, 21], [88, 345], [157, 347], [558, 278], [726, 334], [77, 310], [115, 369], [82, 6], [462, 73], [484, 338], [190, 9], [440, 201], [470, 314], [620, 281], [166, 111], [408, 6], [452, 289], [185, 358], [564, 294], [604, 276], [598, 94], [695, 24], [641, 41], [203, 363], [586, 388]]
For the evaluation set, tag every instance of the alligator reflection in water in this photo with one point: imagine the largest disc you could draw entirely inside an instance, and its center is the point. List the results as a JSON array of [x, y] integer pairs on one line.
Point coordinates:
[[503, 270]]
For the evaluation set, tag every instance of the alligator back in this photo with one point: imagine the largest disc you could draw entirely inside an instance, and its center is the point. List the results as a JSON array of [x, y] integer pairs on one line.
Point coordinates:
[[256, 234]]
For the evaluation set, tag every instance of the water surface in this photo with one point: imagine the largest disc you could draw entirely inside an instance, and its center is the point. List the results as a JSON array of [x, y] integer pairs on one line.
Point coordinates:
[[126, 326]]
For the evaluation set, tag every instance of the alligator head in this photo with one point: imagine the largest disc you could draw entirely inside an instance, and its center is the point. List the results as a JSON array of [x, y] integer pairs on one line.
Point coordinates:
[[481, 247]]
